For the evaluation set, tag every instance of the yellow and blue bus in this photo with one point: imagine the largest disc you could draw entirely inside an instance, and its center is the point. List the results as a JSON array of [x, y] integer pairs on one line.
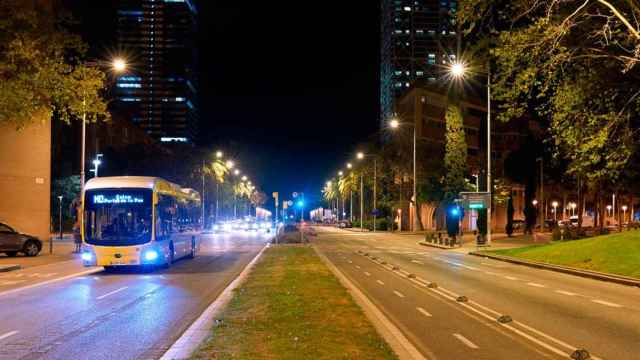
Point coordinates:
[[136, 220]]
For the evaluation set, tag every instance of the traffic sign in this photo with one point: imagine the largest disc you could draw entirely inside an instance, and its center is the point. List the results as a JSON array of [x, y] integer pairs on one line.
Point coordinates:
[[295, 194], [290, 203], [476, 200], [285, 204]]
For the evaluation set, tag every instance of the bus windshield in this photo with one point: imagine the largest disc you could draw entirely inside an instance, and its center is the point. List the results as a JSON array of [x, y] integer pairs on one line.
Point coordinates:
[[117, 217]]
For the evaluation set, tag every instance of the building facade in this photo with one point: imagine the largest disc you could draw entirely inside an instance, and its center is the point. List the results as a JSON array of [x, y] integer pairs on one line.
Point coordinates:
[[418, 37], [159, 89], [426, 109]]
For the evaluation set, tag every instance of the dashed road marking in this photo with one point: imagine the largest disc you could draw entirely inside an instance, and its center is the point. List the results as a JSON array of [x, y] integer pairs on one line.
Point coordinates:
[[350, 262], [357, 266], [511, 278], [10, 333], [398, 294], [379, 282], [417, 262], [568, 293], [423, 312], [536, 285], [491, 273], [606, 303], [366, 273], [465, 341], [111, 293], [10, 282]]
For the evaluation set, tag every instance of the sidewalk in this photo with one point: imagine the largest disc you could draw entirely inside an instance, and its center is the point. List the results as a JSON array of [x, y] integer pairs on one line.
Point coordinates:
[[502, 241], [62, 251]]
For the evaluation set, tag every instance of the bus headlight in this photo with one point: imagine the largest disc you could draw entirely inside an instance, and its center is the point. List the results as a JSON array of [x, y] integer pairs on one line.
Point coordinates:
[[86, 256], [150, 255]]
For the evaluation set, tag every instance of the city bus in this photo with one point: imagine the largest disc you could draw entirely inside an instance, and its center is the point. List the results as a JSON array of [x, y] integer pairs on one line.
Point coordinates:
[[138, 221]]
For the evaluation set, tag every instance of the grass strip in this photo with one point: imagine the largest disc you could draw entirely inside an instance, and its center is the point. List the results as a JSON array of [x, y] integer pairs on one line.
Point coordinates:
[[292, 307], [617, 253]]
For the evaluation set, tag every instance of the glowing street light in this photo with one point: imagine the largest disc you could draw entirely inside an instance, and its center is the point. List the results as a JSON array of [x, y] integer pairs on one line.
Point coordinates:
[[535, 202], [236, 172], [119, 64], [244, 178], [573, 208], [360, 155], [609, 207], [340, 173], [458, 69], [349, 166], [624, 213], [555, 213], [219, 154], [394, 124], [328, 183], [230, 164]]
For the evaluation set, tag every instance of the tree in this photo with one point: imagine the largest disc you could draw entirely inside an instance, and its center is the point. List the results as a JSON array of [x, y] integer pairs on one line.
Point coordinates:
[[455, 162], [258, 198], [510, 211], [41, 70]]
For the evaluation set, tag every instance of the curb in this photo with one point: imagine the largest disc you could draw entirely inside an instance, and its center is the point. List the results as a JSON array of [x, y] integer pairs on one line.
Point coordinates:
[[201, 328], [10, 267], [437, 246], [618, 279], [389, 332]]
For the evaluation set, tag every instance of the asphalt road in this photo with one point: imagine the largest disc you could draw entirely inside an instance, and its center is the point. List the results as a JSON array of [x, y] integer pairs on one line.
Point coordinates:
[[121, 315], [552, 314]]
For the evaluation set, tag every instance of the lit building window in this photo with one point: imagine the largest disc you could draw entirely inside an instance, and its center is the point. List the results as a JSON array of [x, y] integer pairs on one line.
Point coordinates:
[[129, 85]]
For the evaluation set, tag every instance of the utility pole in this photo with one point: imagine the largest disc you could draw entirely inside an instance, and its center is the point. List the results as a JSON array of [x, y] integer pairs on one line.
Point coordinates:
[[489, 185], [361, 203], [375, 182]]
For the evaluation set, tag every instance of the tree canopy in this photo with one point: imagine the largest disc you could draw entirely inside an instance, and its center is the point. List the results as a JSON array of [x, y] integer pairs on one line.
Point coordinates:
[[41, 68]]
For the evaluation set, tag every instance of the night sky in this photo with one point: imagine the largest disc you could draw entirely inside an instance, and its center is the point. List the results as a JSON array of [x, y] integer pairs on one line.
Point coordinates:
[[288, 87], [294, 85]]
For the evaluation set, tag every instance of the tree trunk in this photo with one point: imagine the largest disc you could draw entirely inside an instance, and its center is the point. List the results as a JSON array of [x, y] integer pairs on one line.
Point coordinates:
[[418, 226], [580, 203]]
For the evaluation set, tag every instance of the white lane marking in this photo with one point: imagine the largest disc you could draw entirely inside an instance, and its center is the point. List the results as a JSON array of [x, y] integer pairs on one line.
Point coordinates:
[[350, 262], [111, 293], [417, 262], [511, 277], [398, 294], [465, 341], [493, 265], [536, 285], [10, 333], [379, 282], [47, 282], [357, 267], [568, 293], [423, 312], [491, 273], [34, 275], [366, 273], [606, 303], [10, 282]]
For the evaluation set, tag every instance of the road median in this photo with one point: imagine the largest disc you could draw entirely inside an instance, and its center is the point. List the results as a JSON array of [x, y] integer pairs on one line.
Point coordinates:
[[292, 307]]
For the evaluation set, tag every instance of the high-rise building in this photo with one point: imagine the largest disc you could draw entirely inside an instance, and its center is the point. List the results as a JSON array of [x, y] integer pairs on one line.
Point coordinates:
[[159, 90], [418, 37]]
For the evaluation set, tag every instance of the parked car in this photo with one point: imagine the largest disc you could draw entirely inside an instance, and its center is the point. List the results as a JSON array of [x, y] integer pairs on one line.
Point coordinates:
[[344, 224], [518, 224], [13, 242]]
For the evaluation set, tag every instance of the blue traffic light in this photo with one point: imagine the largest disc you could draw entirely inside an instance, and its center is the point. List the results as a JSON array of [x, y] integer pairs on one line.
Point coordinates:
[[455, 211]]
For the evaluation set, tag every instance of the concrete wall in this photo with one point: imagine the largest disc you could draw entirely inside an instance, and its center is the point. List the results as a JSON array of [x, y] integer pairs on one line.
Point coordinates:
[[25, 177]]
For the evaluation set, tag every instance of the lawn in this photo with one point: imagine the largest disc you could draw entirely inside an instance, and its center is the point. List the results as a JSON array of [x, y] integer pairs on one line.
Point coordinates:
[[616, 253], [292, 307]]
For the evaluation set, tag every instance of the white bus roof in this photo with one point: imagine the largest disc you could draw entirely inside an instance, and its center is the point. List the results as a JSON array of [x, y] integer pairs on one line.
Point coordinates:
[[144, 182]]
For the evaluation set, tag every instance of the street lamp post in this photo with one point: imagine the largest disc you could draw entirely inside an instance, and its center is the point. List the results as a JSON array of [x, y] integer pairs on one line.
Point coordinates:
[[555, 212], [624, 213], [119, 65], [458, 70], [60, 223], [361, 156], [394, 124]]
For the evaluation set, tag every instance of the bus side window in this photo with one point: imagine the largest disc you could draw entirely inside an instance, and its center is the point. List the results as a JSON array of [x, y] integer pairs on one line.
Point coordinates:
[[165, 217]]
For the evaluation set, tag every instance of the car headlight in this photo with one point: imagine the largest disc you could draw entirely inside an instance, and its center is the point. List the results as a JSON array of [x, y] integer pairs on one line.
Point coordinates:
[[150, 255], [86, 256]]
